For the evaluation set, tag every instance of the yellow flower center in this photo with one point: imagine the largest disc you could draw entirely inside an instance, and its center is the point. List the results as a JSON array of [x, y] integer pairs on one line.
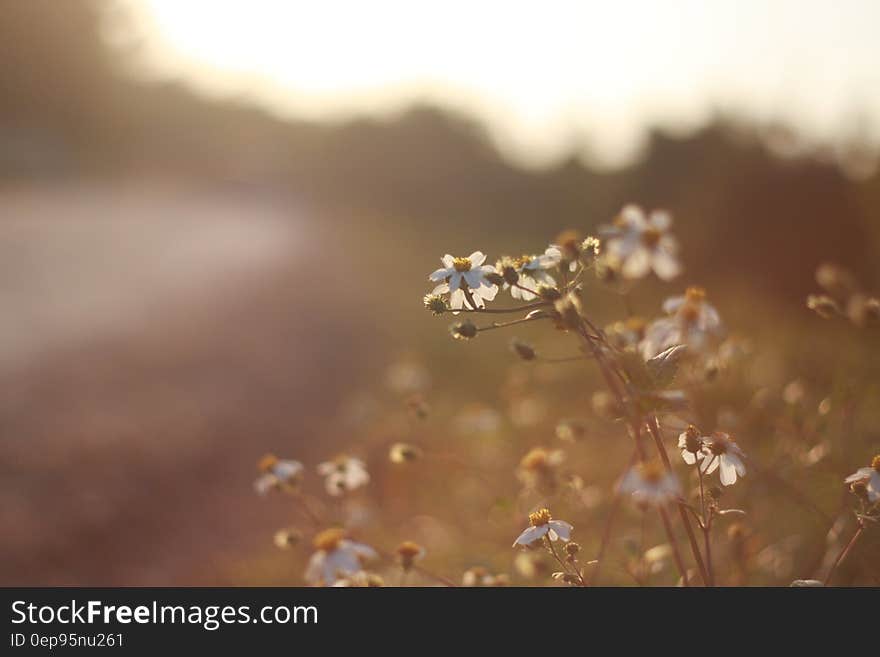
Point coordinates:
[[695, 294], [636, 324], [522, 261], [875, 463], [536, 459], [409, 550], [651, 472], [651, 237], [540, 517], [461, 264], [268, 462], [329, 539]]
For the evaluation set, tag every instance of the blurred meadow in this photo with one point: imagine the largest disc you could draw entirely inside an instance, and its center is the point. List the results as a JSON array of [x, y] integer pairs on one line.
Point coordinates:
[[196, 275]]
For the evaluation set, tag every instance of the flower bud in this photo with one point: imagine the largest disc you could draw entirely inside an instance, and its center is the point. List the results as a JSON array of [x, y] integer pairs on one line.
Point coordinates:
[[823, 305], [549, 293], [464, 330], [494, 278], [523, 349]]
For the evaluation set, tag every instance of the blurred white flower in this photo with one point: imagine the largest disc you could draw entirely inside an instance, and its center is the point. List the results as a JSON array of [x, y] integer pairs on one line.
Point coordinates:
[[870, 477], [478, 576], [691, 445], [460, 275], [538, 467], [478, 419], [649, 483], [280, 474], [360, 579], [532, 272], [343, 474], [722, 452], [691, 321], [542, 524], [336, 557], [407, 376], [636, 244]]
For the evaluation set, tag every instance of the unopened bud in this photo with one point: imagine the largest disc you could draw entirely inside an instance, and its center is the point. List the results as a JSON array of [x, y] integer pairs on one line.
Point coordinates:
[[464, 330], [523, 349]]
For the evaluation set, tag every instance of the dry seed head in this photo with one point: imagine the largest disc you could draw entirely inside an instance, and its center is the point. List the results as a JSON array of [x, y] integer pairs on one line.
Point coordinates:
[[859, 489], [693, 442], [572, 548], [329, 539], [508, 267], [435, 303], [540, 517], [591, 244], [549, 293], [568, 311]]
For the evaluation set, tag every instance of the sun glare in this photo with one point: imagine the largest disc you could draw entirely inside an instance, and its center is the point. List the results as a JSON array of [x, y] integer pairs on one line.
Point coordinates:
[[542, 76]]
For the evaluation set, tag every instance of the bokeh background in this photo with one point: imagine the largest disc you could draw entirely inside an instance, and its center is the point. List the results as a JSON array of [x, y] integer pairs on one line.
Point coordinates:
[[217, 220]]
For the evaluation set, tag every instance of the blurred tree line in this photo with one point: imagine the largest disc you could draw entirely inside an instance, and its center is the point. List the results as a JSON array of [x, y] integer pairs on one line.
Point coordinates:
[[761, 221]]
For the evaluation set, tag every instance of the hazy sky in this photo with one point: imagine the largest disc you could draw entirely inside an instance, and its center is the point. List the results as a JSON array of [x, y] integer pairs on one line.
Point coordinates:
[[539, 73]]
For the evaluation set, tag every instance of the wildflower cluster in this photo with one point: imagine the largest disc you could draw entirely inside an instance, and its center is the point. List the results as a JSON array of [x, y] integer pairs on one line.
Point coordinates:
[[650, 378]]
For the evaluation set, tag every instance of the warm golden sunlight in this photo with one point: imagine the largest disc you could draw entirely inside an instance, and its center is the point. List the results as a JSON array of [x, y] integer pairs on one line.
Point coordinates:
[[540, 75]]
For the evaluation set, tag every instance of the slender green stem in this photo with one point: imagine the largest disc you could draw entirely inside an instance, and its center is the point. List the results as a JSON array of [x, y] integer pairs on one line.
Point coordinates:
[[845, 551], [654, 429], [513, 322], [676, 553], [500, 311], [562, 563]]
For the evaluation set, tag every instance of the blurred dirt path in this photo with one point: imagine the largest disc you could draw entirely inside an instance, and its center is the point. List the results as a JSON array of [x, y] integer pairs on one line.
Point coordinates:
[[153, 345]]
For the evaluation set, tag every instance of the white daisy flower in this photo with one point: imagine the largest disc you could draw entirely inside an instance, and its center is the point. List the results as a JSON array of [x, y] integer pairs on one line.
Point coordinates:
[[542, 524], [532, 272], [280, 474], [650, 484], [461, 275], [336, 558], [343, 474], [722, 452], [691, 321], [637, 244], [870, 477], [692, 446]]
